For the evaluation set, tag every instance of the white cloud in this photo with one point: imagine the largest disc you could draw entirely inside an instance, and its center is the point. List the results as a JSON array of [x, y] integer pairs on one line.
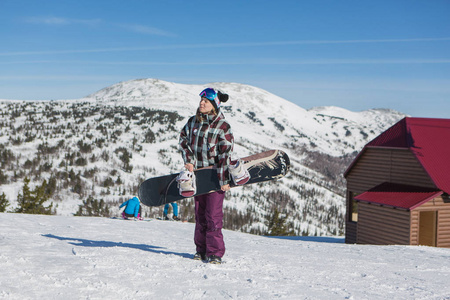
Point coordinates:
[[212, 62], [146, 30], [58, 21], [354, 41], [156, 31], [59, 77], [61, 21]]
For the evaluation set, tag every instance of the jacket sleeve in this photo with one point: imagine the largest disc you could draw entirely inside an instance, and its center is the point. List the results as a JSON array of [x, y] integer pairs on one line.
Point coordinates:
[[225, 147], [184, 141], [123, 204], [136, 209]]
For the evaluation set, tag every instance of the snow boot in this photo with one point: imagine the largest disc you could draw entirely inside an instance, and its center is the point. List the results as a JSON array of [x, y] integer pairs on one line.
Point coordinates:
[[214, 259], [239, 172], [186, 183], [199, 256]]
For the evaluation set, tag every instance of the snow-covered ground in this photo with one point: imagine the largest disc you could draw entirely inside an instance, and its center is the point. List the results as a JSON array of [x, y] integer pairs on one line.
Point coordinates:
[[63, 257]]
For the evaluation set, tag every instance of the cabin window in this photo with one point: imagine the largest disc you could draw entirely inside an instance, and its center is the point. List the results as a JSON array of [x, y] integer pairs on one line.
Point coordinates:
[[353, 209]]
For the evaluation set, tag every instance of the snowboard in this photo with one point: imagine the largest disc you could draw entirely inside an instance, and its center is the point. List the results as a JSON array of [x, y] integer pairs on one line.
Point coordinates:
[[264, 166]]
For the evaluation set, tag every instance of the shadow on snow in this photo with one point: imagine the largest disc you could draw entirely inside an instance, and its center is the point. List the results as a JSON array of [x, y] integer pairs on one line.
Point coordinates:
[[318, 239], [107, 244]]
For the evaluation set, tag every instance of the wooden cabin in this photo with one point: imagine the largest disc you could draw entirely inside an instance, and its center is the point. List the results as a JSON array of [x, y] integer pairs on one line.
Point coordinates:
[[399, 184]]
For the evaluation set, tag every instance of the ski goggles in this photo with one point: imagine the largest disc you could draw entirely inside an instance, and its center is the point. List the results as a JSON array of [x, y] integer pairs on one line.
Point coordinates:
[[209, 93]]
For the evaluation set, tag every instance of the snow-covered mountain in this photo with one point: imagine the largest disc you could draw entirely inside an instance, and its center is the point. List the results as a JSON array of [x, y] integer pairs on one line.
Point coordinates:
[[63, 257], [259, 116], [104, 145]]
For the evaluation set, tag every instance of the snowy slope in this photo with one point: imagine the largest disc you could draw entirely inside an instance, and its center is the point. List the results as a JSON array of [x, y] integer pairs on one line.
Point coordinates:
[[60, 257], [81, 143], [257, 115]]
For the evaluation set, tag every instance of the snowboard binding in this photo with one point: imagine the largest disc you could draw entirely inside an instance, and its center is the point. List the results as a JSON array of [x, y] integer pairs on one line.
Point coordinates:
[[186, 183], [239, 172]]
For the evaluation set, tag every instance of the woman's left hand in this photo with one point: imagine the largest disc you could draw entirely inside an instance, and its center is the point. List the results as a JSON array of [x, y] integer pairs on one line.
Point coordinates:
[[225, 187]]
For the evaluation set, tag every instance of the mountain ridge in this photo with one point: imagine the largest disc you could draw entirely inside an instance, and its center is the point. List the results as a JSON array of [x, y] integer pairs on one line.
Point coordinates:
[[246, 102], [101, 146]]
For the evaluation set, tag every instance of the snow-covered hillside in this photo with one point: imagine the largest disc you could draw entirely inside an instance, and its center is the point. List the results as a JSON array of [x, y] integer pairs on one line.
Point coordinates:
[[259, 116], [101, 147], [62, 257]]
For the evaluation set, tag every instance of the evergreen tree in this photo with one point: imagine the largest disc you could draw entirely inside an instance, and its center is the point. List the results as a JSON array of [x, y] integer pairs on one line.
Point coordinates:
[[3, 177], [277, 225], [32, 201], [125, 157], [93, 208], [3, 202], [24, 199]]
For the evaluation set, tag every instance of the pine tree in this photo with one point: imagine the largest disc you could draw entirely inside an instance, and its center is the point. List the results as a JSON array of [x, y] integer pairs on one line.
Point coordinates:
[[24, 199], [32, 202], [277, 225], [4, 203], [3, 177], [93, 208]]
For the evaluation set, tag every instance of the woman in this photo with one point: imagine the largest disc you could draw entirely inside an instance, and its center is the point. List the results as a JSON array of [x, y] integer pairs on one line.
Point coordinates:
[[207, 140]]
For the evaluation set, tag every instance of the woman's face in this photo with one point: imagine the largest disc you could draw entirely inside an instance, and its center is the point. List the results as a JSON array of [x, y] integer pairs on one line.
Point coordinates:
[[205, 106]]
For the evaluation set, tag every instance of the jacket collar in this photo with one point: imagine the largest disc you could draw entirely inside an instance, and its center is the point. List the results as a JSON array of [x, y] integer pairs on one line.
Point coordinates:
[[212, 118]]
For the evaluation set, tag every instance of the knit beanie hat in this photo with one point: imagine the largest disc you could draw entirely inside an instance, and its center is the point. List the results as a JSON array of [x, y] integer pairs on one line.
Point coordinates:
[[215, 97]]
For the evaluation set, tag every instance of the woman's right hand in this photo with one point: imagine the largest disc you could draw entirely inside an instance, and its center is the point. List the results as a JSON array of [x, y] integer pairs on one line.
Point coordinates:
[[189, 167]]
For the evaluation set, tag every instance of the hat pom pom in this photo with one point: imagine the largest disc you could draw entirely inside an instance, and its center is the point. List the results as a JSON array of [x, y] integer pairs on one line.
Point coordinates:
[[222, 97]]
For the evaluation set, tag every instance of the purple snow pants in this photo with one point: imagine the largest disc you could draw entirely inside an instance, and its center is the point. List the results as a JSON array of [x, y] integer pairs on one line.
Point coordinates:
[[208, 224]]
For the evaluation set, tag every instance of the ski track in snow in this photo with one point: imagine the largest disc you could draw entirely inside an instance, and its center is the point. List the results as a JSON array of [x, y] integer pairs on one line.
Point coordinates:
[[62, 257]]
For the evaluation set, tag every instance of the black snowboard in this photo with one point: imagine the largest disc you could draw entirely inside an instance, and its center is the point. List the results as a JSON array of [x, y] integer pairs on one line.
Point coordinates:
[[262, 167]]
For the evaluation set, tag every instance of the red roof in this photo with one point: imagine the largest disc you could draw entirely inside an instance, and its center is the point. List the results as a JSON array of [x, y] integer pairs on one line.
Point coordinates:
[[428, 139], [398, 195]]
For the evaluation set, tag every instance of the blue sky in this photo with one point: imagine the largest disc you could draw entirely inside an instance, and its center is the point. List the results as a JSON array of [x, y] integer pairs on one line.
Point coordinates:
[[352, 54]]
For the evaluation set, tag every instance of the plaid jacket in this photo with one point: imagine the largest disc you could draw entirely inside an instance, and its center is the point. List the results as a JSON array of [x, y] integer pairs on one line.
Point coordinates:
[[208, 143]]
